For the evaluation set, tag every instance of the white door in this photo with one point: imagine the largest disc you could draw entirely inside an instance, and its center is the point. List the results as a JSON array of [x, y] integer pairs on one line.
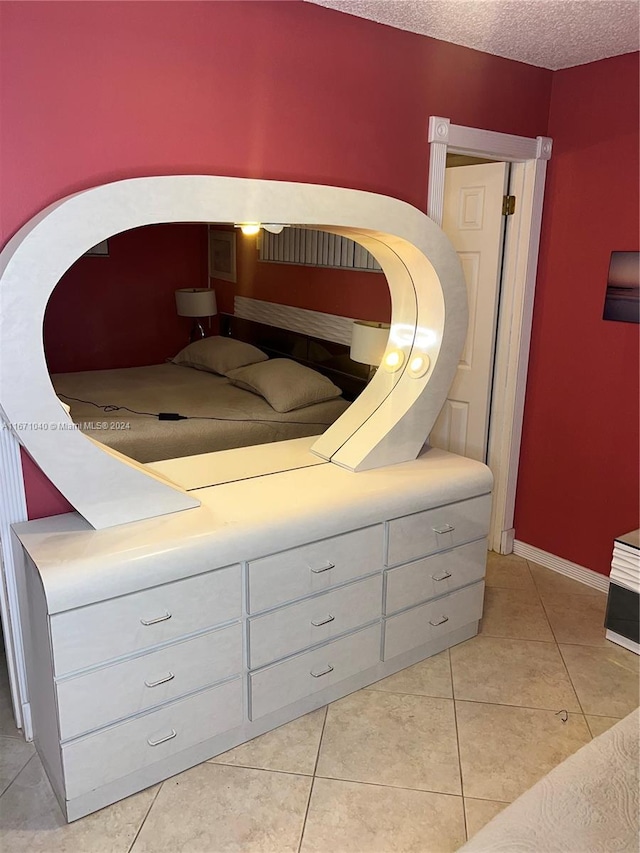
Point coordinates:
[[474, 223]]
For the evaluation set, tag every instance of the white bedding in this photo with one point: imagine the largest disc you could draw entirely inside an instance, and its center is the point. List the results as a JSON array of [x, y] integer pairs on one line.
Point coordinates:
[[588, 804], [244, 418]]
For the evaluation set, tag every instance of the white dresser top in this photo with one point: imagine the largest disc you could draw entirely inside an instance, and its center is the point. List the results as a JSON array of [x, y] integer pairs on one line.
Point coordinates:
[[225, 466], [237, 521]]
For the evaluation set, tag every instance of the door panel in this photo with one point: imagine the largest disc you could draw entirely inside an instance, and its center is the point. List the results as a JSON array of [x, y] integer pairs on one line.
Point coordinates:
[[452, 426], [474, 223]]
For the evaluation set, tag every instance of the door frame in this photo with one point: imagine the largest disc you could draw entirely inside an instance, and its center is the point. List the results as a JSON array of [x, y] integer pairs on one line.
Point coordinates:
[[529, 158]]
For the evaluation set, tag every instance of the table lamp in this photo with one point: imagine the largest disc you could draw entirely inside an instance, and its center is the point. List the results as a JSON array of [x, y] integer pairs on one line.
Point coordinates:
[[368, 343], [196, 302]]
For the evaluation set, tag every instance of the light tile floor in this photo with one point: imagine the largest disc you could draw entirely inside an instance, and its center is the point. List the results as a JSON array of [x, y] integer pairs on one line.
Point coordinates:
[[417, 762]]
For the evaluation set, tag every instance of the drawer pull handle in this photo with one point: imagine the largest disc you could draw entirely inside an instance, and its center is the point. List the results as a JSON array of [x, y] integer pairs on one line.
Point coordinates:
[[324, 672], [164, 618], [163, 739], [326, 621], [323, 569], [446, 528], [440, 621], [160, 680], [441, 576]]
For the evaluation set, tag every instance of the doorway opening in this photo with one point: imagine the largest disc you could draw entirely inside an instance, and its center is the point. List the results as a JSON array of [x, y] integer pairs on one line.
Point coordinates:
[[512, 322]]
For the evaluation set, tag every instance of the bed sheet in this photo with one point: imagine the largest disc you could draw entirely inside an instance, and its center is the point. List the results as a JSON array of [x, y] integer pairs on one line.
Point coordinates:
[[221, 416]]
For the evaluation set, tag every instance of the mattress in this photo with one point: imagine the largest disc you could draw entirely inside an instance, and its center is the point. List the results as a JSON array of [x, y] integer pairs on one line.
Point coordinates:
[[220, 415], [588, 803]]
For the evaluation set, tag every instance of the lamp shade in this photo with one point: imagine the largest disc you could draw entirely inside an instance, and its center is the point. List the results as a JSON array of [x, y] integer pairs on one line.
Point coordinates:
[[368, 341], [196, 302]]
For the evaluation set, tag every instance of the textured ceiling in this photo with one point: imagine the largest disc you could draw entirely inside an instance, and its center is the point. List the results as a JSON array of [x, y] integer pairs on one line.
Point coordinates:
[[547, 33]]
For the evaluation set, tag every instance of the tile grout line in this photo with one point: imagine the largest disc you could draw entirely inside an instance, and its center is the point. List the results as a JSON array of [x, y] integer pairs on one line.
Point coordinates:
[[566, 669], [534, 640], [487, 800], [535, 585], [557, 645], [324, 725], [313, 778], [544, 612], [476, 701], [484, 633], [522, 707], [406, 692], [31, 757], [144, 819], [583, 645], [455, 722], [564, 663], [209, 763], [396, 787], [594, 593], [306, 814], [253, 767], [544, 609]]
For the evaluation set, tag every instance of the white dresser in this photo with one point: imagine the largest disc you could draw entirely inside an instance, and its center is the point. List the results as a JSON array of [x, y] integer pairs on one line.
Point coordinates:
[[154, 646]]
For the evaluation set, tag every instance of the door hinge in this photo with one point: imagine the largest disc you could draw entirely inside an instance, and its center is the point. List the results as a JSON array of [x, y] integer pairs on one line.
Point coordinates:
[[508, 205]]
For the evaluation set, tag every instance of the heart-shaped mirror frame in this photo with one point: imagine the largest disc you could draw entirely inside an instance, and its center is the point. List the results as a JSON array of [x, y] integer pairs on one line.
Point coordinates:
[[388, 423]]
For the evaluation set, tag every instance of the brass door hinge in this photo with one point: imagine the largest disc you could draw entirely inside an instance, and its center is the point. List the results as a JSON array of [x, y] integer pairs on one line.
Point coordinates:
[[508, 205]]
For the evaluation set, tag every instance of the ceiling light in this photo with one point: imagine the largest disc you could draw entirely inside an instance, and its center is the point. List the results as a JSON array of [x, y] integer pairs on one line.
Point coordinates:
[[249, 229]]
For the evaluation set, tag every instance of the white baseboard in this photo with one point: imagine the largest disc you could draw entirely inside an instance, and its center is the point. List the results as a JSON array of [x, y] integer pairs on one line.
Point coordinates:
[[562, 566], [623, 641]]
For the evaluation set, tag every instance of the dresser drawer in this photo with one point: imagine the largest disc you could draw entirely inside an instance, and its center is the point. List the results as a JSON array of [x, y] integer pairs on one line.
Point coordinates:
[[434, 576], [121, 626], [284, 683], [106, 695], [314, 620], [431, 621], [101, 758], [437, 529], [312, 568]]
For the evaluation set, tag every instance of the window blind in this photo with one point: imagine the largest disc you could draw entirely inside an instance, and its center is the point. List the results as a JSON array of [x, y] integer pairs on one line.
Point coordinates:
[[315, 248]]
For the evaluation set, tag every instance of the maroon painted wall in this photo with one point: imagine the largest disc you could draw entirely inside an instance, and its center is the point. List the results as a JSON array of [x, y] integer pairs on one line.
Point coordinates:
[[120, 310], [348, 293], [578, 481], [96, 92]]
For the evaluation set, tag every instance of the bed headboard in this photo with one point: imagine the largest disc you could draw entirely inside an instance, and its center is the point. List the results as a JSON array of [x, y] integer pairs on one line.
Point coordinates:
[[327, 357]]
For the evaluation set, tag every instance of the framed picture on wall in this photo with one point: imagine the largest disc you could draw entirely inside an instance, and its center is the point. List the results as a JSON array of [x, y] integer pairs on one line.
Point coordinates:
[[222, 254], [622, 300]]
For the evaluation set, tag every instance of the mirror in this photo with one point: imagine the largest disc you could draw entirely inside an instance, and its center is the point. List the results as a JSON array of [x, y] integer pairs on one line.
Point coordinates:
[[386, 424], [121, 356]]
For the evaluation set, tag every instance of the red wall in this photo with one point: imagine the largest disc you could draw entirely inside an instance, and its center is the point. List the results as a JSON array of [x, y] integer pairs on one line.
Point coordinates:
[[100, 91], [348, 293], [120, 310], [578, 482]]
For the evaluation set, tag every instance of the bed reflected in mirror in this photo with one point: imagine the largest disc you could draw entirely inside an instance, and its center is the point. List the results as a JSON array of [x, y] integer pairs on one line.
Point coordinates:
[[274, 363]]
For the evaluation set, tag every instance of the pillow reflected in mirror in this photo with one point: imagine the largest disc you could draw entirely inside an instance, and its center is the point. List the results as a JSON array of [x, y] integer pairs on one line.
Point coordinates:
[[285, 384], [219, 355]]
